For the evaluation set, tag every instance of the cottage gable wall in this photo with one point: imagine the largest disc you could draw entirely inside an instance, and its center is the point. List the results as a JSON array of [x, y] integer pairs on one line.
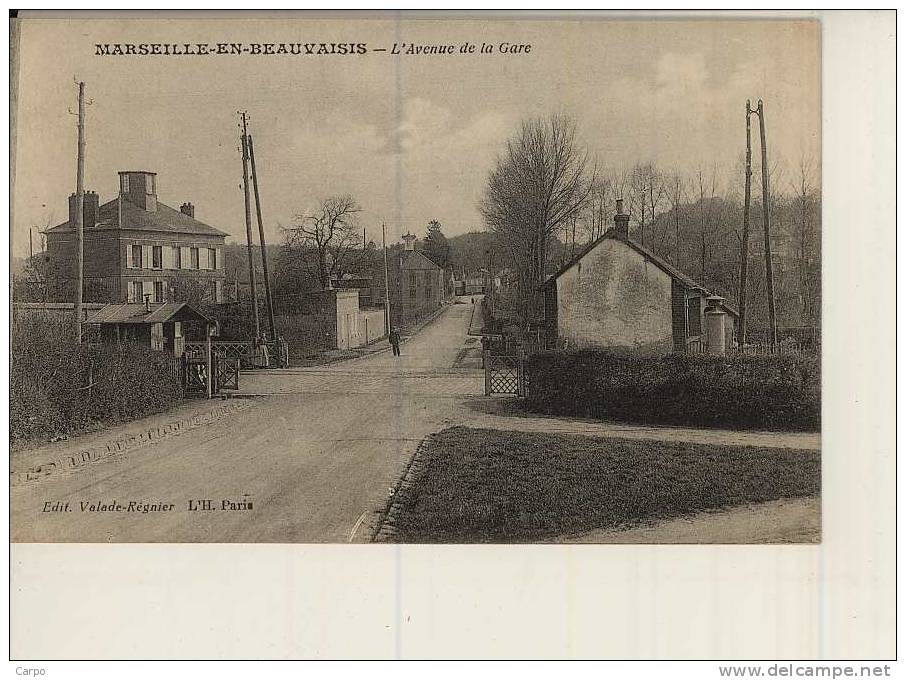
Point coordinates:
[[615, 297]]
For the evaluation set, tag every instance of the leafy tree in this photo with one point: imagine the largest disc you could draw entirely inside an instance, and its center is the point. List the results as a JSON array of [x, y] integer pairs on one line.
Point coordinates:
[[437, 248]]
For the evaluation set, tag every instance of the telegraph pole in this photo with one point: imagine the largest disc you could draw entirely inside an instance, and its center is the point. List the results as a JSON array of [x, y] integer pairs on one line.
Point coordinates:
[[267, 281], [80, 222], [744, 257], [766, 216], [248, 221], [386, 278]]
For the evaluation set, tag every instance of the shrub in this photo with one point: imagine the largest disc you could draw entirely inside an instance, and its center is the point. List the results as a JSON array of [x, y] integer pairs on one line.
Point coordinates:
[[760, 392], [60, 388]]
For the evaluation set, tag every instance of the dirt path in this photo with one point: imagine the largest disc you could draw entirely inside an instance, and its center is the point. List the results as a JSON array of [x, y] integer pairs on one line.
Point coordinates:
[[507, 414], [786, 521]]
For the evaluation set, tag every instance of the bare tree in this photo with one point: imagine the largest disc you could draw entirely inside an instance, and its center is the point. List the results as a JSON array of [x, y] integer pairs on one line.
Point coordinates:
[[647, 191], [807, 239], [676, 193], [597, 212], [331, 231], [538, 185]]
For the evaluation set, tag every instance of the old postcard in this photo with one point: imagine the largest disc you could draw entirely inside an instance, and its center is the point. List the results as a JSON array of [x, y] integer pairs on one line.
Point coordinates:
[[501, 279]]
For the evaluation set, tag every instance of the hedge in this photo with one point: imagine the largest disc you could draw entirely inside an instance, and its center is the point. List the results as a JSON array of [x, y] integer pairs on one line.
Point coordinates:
[[60, 388], [757, 392]]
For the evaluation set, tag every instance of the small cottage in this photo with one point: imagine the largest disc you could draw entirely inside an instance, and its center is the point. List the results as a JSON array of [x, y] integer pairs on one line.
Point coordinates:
[[160, 326], [617, 293]]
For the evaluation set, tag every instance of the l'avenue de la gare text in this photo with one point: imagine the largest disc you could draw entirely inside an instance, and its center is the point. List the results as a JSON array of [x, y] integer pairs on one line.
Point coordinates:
[[303, 49]]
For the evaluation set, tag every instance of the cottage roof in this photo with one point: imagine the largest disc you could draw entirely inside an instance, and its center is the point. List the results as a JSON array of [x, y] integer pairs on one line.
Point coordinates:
[[657, 261], [165, 219], [138, 313]]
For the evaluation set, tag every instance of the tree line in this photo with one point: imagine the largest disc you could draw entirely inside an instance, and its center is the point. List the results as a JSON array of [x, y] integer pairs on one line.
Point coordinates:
[[547, 189]]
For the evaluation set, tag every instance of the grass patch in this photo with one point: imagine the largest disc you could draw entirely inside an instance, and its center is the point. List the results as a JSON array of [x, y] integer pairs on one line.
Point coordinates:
[[491, 486]]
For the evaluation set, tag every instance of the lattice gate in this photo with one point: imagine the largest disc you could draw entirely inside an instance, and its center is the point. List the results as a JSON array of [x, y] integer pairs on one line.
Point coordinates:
[[226, 373], [504, 374]]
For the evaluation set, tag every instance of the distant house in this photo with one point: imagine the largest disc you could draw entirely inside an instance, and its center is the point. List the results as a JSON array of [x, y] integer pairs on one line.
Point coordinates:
[[137, 248], [417, 283], [617, 293]]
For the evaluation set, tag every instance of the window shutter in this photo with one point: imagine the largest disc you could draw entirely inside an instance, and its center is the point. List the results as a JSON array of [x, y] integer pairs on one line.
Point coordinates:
[[130, 289], [220, 258], [202, 258], [147, 289], [184, 261], [146, 257], [128, 256]]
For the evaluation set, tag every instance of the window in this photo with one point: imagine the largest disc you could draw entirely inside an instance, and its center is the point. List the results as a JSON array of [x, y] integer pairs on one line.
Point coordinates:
[[212, 258], [137, 257], [136, 292], [157, 257], [413, 284], [194, 255], [159, 291], [694, 316], [177, 257]]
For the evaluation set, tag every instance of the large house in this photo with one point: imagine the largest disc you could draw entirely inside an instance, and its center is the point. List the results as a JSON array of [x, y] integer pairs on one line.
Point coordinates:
[[617, 293], [138, 249]]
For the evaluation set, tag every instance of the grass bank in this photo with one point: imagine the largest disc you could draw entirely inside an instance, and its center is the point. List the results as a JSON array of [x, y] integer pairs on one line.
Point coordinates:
[[491, 486]]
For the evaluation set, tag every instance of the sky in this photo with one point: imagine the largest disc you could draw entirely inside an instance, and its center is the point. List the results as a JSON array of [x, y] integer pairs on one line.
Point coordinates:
[[411, 137]]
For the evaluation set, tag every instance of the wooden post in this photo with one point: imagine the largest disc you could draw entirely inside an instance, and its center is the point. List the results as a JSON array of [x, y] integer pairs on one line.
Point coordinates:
[[386, 282], [486, 356], [744, 254], [248, 224], [766, 216], [208, 361], [267, 282], [80, 222]]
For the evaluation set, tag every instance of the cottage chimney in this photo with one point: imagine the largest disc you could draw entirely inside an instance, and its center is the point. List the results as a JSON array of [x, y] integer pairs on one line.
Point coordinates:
[[409, 240], [89, 209], [621, 221], [140, 188], [187, 209]]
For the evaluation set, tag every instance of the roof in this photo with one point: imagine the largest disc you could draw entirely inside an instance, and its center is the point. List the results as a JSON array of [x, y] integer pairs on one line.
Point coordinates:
[[164, 218], [660, 263], [415, 259], [137, 313]]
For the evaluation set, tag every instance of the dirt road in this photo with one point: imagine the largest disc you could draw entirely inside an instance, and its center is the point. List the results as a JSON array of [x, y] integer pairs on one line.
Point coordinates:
[[311, 461]]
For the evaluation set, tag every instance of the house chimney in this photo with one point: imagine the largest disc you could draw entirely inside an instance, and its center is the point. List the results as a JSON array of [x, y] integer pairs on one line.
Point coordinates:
[[409, 240], [91, 208], [621, 221], [187, 209], [73, 208], [140, 188]]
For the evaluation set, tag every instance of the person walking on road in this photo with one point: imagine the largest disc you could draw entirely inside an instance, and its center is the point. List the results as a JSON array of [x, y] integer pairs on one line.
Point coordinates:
[[395, 341]]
